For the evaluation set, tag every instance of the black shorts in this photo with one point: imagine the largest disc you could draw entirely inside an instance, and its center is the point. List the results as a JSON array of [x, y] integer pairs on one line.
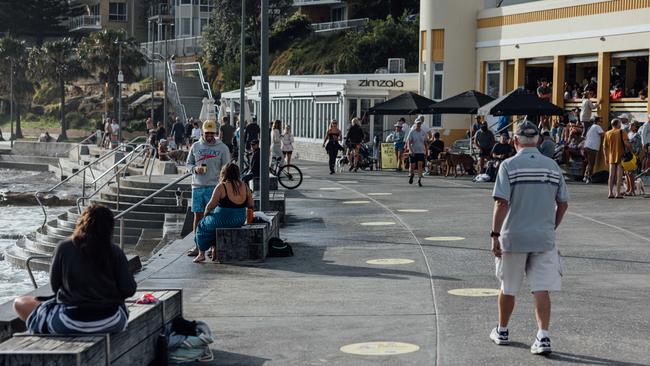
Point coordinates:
[[484, 153], [179, 141], [415, 158]]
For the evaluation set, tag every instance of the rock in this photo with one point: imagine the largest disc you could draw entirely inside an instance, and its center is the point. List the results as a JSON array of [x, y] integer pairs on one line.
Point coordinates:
[[28, 199]]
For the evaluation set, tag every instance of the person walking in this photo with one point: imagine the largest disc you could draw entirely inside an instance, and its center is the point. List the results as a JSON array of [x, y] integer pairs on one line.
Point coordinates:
[[592, 147], [416, 144], [586, 108], [331, 143], [614, 145], [251, 132], [115, 134], [530, 200], [227, 133], [99, 136], [287, 144], [90, 279], [354, 138], [276, 140], [178, 132], [484, 140], [226, 209], [188, 132], [205, 160], [397, 138]]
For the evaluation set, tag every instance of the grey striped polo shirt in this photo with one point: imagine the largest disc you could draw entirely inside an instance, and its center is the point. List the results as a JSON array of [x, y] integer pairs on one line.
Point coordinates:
[[532, 184]]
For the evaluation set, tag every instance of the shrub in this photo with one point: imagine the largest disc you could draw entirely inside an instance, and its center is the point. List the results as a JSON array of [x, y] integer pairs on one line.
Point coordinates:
[[287, 30], [136, 125], [77, 120], [38, 110]]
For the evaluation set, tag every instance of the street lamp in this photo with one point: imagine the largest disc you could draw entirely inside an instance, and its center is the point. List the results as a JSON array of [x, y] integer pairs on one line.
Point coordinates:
[[120, 80]]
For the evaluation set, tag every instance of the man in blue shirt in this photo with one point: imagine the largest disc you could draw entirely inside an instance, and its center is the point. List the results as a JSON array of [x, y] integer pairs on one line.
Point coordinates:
[[530, 200]]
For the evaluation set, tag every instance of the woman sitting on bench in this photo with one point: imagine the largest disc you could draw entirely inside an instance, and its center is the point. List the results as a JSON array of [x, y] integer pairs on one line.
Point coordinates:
[[90, 278], [226, 209]]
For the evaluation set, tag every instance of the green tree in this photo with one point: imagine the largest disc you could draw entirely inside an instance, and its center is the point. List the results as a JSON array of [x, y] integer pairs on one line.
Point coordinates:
[[100, 52], [57, 62], [380, 9], [14, 53], [35, 19]]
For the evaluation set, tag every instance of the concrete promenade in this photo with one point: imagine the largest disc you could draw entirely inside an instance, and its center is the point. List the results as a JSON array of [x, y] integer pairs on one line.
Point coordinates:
[[302, 310]]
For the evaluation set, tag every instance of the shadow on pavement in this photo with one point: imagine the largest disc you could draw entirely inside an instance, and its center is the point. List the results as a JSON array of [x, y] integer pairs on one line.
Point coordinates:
[[223, 358], [579, 359]]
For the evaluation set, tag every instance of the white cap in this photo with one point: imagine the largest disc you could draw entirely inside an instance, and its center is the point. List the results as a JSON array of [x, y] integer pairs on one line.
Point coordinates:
[[419, 119]]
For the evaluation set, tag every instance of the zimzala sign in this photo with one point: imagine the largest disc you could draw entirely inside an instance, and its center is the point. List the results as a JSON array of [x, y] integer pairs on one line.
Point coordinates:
[[381, 83]]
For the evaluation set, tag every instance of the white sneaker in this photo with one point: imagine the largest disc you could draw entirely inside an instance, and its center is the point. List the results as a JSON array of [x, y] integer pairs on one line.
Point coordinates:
[[500, 338], [541, 346]]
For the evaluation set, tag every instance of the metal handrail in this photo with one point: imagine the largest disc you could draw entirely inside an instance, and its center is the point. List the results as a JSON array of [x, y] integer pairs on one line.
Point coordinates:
[[197, 67], [29, 268], [175, 92], [121, 215], [122, 160], [36, 194], [81, 200], [78, 146]]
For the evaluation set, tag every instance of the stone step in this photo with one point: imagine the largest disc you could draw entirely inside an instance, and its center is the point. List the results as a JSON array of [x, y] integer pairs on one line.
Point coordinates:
[[166, 201], [55, 238], [157, 182], [143, 192], [54, 228], [146, 207], [135, 216], [18, 257]]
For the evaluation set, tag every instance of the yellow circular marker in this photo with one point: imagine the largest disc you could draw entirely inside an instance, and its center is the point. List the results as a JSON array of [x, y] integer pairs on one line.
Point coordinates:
[[474, 292], [390, 261], [330, 188], [444, 238], [379, 348], [347, 181], [380, 194], [378, 223], [413, 210], [355, 202]]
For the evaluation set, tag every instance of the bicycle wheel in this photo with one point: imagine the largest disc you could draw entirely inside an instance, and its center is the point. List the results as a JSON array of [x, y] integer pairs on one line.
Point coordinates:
[[289, 176]]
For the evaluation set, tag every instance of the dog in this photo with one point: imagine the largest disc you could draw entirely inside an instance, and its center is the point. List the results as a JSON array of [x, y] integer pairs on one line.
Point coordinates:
[[638, 186], [452, 161], [178, 156], [341, 162]]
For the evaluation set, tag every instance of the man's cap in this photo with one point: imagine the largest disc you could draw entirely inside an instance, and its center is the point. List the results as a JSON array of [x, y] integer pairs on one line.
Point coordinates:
[[209, 126], [527, 129], [626, 116], [420, 119]]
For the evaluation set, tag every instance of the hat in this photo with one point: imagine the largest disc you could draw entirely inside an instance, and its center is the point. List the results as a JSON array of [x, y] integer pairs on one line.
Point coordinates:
[[527, 129], [420, 119], [626, 116], [209, 126]]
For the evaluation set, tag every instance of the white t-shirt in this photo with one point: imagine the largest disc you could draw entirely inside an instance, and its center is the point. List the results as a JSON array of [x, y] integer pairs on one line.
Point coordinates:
[[417, 141], [196, 133], [585, 110], [116, 128], [287, 142], [645, 133], [594, 134]]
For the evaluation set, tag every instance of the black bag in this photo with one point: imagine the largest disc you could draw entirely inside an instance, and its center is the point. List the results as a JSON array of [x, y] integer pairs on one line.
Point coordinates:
[[627, 154], [279, 248]]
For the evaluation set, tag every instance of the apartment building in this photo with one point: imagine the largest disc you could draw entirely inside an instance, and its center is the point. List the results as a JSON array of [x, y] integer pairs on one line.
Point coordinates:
[[94, 15]]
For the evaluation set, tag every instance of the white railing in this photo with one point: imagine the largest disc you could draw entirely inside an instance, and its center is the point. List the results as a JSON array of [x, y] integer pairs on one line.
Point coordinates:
[[85, 21], [340, 25], [173, 88], [190, 46], [315, 2], [195, 67]]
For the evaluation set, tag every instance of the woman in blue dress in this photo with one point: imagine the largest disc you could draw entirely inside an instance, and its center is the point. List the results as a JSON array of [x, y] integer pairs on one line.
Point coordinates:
[[226, 209]]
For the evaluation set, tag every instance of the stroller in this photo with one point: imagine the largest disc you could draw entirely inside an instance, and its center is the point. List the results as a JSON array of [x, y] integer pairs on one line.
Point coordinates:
[[366, 159]]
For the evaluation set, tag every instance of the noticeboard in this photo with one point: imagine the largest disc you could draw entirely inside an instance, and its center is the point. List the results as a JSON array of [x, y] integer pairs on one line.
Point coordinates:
[[388, 159]]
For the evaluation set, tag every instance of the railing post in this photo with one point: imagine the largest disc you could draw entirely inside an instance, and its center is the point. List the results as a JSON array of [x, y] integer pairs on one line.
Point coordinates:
[[122, 233], [117, 203], [83, 188]]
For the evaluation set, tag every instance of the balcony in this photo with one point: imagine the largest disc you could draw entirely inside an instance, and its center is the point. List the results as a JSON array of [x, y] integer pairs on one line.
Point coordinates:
[[340, 25], [192, 46], [316, 2], [85, 23], [161, 12]]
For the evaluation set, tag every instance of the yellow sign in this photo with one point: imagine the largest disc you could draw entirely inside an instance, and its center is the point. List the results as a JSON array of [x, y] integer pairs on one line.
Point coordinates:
[[389, 261], [444, 238], [379, 348], [474, 292], [388, 159]]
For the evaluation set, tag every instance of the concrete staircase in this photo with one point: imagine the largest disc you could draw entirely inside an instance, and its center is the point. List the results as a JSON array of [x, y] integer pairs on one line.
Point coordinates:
[[191, 94], [149, 219]]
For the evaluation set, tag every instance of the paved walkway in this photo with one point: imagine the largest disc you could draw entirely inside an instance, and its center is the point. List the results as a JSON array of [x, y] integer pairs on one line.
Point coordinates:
[[302, 310]]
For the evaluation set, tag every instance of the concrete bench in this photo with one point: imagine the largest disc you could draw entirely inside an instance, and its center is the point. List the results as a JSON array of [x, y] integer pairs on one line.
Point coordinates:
[[136, 346], [248, 242], [255, 183], [276, 203]]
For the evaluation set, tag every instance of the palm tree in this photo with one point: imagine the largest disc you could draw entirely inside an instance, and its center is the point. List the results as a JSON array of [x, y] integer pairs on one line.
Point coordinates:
[[57, 62], [13, 53], [100, 53]]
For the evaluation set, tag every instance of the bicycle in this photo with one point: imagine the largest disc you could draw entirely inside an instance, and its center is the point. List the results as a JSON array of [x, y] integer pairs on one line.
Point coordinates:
[[289, 175]]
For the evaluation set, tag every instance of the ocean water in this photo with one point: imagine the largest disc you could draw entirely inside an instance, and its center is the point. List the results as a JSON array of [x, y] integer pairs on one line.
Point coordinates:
[[16, 221]]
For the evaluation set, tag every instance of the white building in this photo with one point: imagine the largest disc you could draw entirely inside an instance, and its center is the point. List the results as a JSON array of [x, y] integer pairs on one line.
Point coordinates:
[[309, 103]]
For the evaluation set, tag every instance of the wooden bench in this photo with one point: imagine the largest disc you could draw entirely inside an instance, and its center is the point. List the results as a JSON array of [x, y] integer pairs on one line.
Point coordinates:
[[276, 203], [136, 346], [248, 242]]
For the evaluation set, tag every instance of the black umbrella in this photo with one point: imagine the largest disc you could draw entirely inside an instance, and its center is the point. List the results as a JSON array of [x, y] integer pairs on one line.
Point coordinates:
[[464, 103], [404, 104], [520, 102]]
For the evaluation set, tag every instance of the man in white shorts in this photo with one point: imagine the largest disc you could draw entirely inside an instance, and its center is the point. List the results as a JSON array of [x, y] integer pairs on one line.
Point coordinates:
[[530, 200]]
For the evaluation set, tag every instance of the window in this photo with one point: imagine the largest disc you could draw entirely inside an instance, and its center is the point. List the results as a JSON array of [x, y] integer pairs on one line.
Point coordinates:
[[493, 79], [117, 12], [186, 27], [436, 90], [204, 23], [338, 14], [206, 6]]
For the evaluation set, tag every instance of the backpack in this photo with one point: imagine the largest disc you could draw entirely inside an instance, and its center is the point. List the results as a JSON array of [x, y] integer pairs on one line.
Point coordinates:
[[279, 248]]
